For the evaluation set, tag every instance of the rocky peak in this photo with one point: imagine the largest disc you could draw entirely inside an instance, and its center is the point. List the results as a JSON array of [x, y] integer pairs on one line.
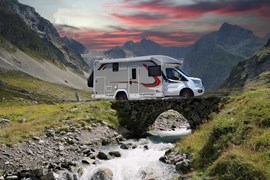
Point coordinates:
[[128, 44], [148, 42], [42, 26], [234, 33]]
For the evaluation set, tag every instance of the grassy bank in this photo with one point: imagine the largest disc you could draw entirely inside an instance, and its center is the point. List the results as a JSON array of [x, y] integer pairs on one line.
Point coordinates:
[[32, 105], [235, 144], [27, 120], [14, 85]]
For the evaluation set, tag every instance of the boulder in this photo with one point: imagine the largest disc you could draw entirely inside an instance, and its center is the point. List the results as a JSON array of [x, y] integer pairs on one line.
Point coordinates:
[[126, 146], [182, 167], [103, 156], [102, 174], [87, 161], [115, 154]]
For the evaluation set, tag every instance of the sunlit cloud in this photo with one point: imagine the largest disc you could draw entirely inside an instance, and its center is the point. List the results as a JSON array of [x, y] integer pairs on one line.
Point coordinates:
[[107, 23], [99, 40]]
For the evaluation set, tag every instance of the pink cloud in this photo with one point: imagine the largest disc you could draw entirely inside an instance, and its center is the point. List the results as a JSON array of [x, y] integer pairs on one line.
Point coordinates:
[[98, 40]]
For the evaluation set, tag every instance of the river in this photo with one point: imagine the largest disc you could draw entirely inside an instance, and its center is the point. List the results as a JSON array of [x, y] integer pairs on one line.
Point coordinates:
[[140, 161]]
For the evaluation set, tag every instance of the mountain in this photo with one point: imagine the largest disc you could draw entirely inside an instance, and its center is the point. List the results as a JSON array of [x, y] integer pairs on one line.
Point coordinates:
[[146, 47], [214, 55], [22, 26], [75, 45], [116, 52], [255, 69], [30, 44]]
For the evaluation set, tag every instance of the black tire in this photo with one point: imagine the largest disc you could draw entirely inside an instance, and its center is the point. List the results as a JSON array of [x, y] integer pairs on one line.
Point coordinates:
[[121, 96], [186, 93]]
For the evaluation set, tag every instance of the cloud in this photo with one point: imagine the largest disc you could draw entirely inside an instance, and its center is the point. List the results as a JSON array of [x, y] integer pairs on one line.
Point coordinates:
[[142, 19], [202, 7], [98, 40]]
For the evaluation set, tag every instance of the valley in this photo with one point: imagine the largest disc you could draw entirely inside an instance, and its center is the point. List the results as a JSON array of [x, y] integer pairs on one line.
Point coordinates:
[[52, 128]]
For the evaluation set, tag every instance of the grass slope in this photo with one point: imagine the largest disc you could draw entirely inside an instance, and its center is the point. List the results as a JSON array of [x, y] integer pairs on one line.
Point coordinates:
[[32, 105], [14, 85], [236, 143], [27, 120]]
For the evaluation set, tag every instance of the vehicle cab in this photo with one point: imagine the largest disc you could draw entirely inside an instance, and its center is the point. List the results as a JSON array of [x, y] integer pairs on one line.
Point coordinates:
[[179, 83]]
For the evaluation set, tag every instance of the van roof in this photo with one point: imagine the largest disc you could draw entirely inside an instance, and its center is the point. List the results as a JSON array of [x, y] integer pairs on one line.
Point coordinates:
[[161, 58]]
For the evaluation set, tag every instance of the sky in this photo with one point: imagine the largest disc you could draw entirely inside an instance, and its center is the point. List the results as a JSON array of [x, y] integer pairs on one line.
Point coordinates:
[[103, 24]]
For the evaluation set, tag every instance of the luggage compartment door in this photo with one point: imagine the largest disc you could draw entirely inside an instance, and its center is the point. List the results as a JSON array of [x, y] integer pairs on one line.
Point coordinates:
[[100, 85]]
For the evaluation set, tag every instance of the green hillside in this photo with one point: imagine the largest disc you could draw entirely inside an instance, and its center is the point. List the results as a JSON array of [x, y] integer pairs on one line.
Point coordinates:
[[250, 69], [36, 36], [234, 144], [31, 105], [214, 55], [17, 86]]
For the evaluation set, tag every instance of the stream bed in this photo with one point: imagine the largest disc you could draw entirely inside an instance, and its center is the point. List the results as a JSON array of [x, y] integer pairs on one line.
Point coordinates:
[[139, 159]]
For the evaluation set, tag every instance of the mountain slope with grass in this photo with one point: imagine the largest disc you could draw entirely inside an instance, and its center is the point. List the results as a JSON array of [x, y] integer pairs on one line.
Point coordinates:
[[234, 143], [27, 30], [255, 68], [17, 86], [30, 44], [75, 45], [214, 55]]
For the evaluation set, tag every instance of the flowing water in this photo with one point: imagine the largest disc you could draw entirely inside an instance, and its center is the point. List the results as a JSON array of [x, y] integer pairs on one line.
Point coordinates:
[[139, 163]]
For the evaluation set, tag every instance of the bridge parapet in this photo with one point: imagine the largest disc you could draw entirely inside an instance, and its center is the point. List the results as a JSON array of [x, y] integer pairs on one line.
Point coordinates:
[[139, 115]]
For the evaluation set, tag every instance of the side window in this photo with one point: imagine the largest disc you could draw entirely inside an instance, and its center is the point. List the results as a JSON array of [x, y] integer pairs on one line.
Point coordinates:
[[134, 74], [115, 66], [172, 74], [154, 71]]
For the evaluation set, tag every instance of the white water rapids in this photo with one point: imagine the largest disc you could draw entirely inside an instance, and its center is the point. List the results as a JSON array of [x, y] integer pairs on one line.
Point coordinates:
[[139, 163]]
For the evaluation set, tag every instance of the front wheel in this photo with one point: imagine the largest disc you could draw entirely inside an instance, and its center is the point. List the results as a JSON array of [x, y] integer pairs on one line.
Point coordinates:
[[186, 93]]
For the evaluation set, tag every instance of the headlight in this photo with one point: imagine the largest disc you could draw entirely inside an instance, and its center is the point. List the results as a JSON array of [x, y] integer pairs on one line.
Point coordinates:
[[196, 81]]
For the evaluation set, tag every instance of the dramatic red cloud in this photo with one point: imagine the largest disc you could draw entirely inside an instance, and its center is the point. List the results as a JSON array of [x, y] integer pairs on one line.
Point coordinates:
[[137, 14], [199, 8], [143, 19], [96, 40]]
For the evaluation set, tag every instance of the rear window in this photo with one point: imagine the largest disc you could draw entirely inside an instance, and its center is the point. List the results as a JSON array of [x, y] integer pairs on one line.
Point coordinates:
[[154, 71]]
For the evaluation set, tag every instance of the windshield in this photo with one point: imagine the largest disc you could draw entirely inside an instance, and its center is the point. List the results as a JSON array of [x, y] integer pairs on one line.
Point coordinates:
[[182, 71]]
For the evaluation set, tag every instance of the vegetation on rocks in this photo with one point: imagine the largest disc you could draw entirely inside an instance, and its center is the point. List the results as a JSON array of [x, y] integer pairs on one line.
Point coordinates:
[[31, 105], [235, 143], [28, 120]]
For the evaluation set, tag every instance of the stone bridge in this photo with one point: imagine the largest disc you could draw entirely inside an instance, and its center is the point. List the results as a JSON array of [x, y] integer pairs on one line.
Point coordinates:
[[139, 115]]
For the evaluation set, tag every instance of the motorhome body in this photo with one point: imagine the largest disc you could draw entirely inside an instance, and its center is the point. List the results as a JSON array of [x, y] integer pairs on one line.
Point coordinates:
[[142, 77]]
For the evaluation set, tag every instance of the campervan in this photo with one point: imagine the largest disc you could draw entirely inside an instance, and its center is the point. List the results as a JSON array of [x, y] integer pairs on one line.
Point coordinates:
[[144, 77]]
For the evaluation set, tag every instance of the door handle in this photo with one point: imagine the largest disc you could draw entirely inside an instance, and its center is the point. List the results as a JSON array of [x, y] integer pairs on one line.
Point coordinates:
[[130, 82]]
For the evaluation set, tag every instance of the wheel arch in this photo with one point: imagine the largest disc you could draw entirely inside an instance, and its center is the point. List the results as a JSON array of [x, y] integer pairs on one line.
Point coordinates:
[[186, 89], [120, 91]]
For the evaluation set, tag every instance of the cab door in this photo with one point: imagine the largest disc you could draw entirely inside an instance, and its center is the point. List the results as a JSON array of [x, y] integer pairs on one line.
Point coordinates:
[[173, 83]]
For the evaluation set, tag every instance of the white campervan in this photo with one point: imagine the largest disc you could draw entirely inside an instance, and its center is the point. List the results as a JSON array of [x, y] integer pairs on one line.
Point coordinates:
[[142, 78]]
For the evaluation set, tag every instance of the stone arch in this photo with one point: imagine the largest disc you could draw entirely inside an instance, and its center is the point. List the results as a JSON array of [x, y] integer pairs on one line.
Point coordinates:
[[169, 120], [137, 116]]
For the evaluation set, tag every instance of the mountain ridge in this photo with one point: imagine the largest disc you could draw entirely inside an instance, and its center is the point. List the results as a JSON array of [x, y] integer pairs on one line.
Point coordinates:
[[146, 47], [36, 36], [214, 55], [255, 68], [31, 44]]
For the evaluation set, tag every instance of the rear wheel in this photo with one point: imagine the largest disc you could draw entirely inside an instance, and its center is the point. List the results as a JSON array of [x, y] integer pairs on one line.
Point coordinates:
[[121, 96], [186, 93]]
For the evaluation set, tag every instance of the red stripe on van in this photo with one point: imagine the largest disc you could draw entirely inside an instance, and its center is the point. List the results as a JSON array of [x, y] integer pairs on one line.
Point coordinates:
[[155, 84]]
